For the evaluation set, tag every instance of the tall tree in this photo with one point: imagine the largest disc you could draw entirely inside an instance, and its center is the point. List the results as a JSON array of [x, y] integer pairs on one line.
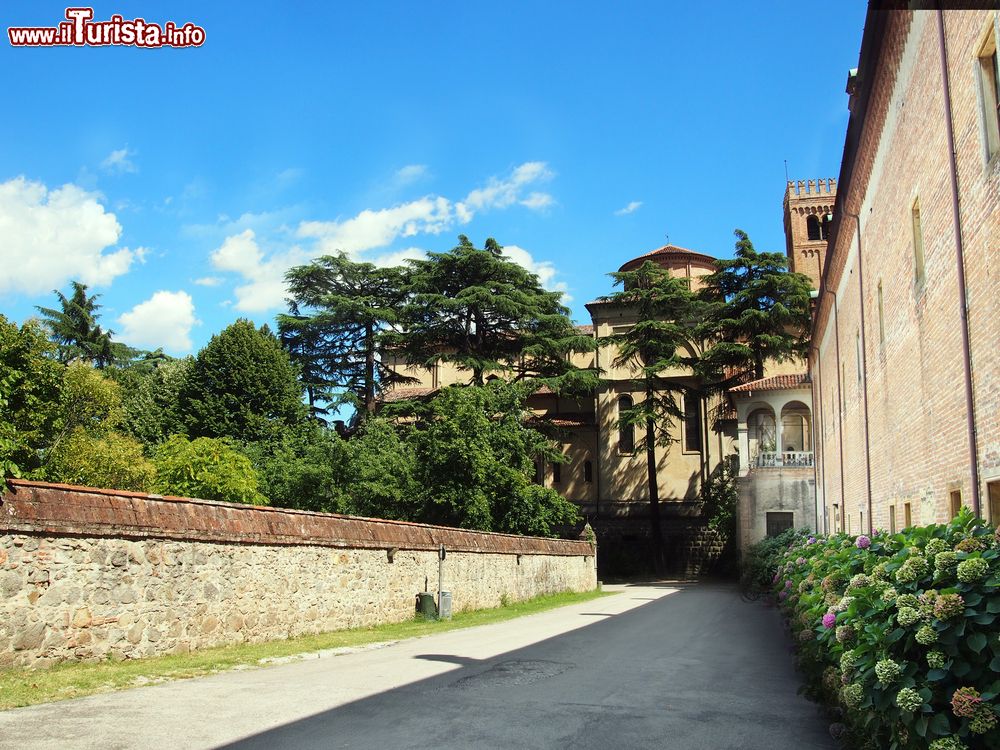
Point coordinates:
[[75, 330], [339, 312], [486, 314], [474, 463], [30, 381], [757, 310], [241, 386], [658, 349]]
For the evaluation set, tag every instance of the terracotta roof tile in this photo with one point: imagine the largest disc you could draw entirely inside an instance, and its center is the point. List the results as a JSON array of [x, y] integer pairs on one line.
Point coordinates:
[[774, 383], [667, 251], [401, 394]]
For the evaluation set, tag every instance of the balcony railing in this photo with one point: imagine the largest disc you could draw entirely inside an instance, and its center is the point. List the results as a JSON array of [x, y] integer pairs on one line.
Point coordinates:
[[785, 459]]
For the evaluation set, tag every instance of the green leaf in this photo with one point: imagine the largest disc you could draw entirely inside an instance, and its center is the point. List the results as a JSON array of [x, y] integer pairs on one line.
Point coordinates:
[[938, 674], [895, 635], [976, 641], [939, 724], [995, 664], [920, 726]]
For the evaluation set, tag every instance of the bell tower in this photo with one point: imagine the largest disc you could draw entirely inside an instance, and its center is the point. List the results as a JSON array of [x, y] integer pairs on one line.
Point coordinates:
[[808, 217]]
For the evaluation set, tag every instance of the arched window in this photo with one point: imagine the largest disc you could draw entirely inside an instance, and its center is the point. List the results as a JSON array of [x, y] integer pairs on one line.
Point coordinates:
[[812, 227], [588, 472], [824, 227], [626, 433]]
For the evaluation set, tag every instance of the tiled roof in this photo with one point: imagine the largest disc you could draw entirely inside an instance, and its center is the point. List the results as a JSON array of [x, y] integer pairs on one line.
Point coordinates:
[[401, 394], [668, 251], [774, 383], [589, 330]]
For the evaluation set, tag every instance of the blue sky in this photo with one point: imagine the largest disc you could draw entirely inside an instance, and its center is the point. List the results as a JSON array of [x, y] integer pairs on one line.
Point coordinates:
[[182, 183]]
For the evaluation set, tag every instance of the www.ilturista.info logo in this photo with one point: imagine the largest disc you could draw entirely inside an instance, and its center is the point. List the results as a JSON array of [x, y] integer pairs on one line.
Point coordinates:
[[80, 30]]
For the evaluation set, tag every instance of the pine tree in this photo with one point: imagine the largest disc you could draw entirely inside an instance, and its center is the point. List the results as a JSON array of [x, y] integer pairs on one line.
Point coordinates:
[[484, 313], [757, 311], [339, 312], [75, 330], [658, 349]]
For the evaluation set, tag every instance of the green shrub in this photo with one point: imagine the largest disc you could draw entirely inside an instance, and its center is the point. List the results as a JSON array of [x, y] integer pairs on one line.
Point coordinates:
[[112, 461], [899, 630], [206, 468]]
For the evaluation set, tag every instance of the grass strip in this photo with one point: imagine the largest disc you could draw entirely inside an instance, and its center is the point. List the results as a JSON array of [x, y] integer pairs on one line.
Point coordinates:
[[20, 686]]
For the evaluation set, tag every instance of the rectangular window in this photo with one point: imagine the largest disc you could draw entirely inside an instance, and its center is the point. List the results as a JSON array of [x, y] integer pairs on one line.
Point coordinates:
[[843, 390], [918, 244], [955, 499], [989, 91], [907, 516], [779, 522], [857, 346], [892, 519], [836, 518], [881, 316], [993, 492], [848, 516], [692, 423], [588, 471], [556, 473]]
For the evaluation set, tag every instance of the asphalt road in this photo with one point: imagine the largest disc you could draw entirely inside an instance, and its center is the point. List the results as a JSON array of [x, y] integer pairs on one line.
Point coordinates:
[[660, 666]]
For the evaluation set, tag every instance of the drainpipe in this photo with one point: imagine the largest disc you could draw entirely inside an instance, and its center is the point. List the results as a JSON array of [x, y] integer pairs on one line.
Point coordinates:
[[819, 428], [864, 367], [970, 401], [840, 408]]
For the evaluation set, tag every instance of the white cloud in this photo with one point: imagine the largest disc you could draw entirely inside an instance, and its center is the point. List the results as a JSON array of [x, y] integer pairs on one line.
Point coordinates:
[[631, 208], [537, 201], [501, 193], [118, 162], [544, 270], [265, 287], [165, 319], [398, 257], [409, 174], [369, 230], [50, 237], [208, 281]]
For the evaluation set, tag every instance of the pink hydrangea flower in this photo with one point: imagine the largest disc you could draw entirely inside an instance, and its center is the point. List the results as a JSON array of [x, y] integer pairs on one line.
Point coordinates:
[[863, 542], [829, 620]]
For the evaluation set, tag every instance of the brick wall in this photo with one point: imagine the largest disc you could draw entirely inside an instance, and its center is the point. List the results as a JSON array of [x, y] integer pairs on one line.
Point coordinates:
[[911, 357], [87, 574]]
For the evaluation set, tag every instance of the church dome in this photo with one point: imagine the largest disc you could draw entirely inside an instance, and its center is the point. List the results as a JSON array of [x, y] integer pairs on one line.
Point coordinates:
[[675, 258]]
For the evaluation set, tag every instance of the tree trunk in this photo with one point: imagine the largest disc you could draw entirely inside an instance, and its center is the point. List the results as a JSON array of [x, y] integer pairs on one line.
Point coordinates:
[[654, 499]]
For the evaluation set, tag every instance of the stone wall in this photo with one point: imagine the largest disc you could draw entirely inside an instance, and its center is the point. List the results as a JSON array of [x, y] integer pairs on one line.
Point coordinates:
[[783, 490], [87, 574]]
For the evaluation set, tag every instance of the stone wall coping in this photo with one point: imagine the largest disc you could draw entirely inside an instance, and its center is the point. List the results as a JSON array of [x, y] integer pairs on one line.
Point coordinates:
[[62, 509]]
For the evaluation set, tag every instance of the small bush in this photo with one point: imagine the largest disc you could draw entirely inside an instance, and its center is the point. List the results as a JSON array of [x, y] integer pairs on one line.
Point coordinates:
[[112, 461], [206, 468], [899, 631]]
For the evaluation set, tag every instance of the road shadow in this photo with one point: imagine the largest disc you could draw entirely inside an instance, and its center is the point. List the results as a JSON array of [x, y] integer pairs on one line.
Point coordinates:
[[695, 669]]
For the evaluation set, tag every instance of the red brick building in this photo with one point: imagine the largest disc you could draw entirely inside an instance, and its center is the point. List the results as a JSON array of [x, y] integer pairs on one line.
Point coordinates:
[[904, 363]]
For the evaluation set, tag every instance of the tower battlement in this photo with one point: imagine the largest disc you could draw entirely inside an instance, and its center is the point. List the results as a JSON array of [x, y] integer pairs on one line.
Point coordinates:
[[817, 188]]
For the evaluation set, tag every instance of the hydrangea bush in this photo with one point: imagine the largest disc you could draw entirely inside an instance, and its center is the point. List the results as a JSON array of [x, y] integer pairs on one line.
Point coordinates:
[[900, 631]]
